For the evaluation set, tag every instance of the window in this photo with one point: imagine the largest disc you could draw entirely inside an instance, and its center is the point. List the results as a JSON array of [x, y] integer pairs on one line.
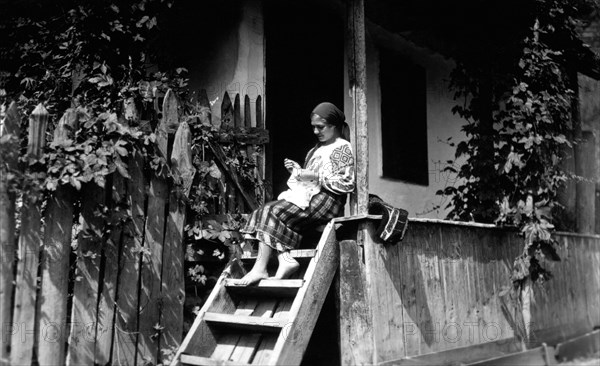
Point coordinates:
[[403, 118]]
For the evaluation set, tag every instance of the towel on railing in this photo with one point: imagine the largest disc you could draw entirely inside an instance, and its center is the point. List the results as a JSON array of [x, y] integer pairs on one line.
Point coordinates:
[[394, 222]]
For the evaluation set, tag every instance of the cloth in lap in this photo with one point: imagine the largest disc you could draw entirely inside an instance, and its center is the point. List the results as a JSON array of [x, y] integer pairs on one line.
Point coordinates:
[[279, 223]]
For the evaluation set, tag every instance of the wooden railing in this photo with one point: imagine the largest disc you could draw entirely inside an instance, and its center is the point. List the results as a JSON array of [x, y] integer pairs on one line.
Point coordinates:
[[119, 299]]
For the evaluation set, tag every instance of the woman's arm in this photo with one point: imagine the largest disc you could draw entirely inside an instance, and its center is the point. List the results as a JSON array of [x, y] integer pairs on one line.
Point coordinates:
[[338, 173]]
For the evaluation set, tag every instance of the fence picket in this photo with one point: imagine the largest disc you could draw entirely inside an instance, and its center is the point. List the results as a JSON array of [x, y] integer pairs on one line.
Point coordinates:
[[262, 161], [52, 329], [7, 232], [84, 312], [125, 340], [150, 300], [226, 112], [205, 111], [173, 282], [135, 310], [29, 250], [250, 150], [37, 130], [111, 258]]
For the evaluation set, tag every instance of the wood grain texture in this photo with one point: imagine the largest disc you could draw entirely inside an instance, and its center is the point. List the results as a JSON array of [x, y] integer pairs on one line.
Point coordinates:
[[172, 277], [84, 313], [150, 300], [51, 326], [357, 75], [10, 130], [111, 258], [306, 307], [126, 317]]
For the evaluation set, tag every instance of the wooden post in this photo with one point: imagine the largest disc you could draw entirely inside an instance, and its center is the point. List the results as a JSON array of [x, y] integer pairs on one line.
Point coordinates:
[[52, 312], [125, 339], [150, 301], [82, 336], [357, 74], [173, 282], [584, 168], [28, 255], [586, 188], [111, 259], [357, 322], [7, 231]]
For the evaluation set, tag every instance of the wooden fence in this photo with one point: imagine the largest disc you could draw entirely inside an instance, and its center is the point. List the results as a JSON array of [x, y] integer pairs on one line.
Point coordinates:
[[442, 290], [119, 299]]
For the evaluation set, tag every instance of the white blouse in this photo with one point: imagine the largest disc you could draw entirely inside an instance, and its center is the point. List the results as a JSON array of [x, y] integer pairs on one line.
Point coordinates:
[[334, 164]]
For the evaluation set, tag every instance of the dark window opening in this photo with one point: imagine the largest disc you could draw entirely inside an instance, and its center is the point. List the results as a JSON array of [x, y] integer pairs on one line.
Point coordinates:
[[403, 118]]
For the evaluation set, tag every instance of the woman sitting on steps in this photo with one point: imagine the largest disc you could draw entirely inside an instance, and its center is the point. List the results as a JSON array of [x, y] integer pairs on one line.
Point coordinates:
[[316, 194]]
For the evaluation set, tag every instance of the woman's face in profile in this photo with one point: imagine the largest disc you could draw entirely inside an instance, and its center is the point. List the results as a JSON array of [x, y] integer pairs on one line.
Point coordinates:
[[324, 131]]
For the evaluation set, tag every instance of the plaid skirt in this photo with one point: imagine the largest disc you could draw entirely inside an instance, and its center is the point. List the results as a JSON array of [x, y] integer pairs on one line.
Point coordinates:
[[279, 223]]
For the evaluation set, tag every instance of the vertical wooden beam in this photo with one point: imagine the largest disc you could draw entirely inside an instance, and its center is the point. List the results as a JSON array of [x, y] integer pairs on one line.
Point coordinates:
[[586, 188], [150, 301], [357, 75], [356, 323], [111, 261], [29, 253], [82, 336], [126, 321], [584, 168], [7, 229], [173, 282], [52, 313]]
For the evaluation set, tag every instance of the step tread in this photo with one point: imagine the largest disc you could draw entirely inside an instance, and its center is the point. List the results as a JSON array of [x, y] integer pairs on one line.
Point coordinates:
[[268, 287], [198, 360], [298, 253], [255, 323], [267, 283]]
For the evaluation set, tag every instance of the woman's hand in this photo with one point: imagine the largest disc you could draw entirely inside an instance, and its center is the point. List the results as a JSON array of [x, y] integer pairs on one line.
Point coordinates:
[[291, 165]]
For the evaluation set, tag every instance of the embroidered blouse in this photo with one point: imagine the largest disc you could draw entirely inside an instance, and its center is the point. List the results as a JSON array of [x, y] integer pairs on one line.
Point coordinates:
[[334, 165]]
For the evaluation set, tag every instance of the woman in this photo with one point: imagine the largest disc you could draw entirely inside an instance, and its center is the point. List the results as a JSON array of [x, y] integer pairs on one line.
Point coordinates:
[[316, 194]]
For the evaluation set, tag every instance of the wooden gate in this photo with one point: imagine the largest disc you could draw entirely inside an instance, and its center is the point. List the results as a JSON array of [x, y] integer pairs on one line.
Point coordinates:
[[111, 288]]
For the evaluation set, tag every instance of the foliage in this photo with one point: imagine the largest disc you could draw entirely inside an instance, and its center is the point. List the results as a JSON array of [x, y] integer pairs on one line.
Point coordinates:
[[518, 108], [92, 59]]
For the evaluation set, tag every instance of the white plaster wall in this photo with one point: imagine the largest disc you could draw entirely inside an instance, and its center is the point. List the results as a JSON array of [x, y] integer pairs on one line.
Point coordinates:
[[233, 59], [420, 201]]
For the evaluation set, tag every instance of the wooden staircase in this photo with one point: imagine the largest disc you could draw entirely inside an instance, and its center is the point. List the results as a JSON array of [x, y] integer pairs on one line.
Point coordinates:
[[269, 323]]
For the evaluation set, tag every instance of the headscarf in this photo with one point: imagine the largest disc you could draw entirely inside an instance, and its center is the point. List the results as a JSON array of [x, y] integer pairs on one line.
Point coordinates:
[[334, 116]]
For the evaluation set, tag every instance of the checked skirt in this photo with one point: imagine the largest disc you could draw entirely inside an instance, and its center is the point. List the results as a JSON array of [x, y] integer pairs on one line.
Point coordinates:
[[279, 223]]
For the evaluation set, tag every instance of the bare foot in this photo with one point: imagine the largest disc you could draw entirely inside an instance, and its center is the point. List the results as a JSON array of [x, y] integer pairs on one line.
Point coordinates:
[[253, 277], [286, 268]]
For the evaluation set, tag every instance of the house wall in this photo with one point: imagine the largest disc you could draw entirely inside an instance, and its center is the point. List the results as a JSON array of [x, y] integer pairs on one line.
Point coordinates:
[[225, 52], [419, 200], [443, 288]]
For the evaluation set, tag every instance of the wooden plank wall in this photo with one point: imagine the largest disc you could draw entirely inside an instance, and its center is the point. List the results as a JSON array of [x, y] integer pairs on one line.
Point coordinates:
[[112, 298], [439, 289]]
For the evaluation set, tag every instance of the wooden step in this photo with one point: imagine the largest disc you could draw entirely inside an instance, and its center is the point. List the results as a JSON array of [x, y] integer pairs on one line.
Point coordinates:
[[268, 287], [197, 360], [253, 323], [298, 254]]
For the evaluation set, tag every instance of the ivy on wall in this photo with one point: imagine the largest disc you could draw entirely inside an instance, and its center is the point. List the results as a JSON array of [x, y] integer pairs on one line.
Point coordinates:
[[518, 107]]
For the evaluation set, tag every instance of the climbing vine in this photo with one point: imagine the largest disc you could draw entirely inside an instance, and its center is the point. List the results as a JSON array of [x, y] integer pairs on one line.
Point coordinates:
[[97, 60], [518, 109]]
